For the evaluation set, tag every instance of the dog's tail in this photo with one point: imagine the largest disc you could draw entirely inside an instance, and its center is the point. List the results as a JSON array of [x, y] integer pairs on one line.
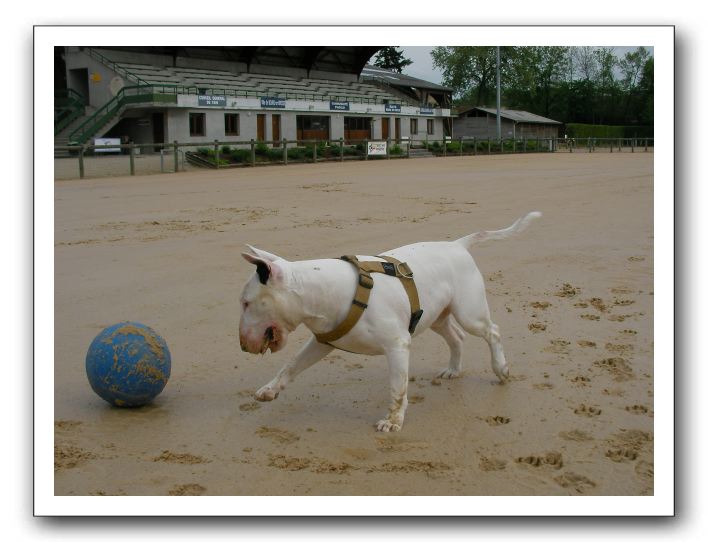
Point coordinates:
[[517, 227]]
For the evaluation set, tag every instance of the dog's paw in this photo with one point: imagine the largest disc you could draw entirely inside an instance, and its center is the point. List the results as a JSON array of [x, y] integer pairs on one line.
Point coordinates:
[[502, 373], [449, 373], [266, 393], [386, 426]]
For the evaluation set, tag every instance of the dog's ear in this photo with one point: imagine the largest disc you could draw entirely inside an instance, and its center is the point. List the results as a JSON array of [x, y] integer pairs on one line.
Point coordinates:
[[264, 255], [266, 270]]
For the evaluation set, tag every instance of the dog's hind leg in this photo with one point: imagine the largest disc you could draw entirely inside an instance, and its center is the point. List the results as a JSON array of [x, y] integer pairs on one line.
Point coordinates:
[[474, 319], [454, 335]]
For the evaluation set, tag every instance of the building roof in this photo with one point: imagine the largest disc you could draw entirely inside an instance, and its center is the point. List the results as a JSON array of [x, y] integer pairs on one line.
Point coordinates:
[[399, 79], [335, 59], [512, 114]]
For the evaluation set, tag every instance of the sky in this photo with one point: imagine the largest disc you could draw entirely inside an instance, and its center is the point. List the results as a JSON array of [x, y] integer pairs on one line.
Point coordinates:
[[422, 66]]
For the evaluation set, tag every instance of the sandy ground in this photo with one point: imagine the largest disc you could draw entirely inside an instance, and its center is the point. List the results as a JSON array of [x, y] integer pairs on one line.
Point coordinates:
[[573, 297]]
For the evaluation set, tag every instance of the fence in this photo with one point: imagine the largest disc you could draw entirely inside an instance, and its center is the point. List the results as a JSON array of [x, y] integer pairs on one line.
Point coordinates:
[[174, 157]]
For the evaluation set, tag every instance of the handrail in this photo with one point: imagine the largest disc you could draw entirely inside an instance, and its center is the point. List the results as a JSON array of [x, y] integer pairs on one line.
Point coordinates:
[[70, 95], [81, 133], [114, 66]]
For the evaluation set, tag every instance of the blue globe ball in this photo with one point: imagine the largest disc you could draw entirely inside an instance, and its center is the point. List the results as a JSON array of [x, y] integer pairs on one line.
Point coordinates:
[[128, 364]]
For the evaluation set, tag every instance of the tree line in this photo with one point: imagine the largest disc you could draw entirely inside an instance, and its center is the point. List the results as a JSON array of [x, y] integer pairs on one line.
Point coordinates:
[[588, 85]]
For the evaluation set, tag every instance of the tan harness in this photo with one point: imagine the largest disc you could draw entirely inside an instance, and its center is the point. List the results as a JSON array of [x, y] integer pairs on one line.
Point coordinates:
[[391, 267]]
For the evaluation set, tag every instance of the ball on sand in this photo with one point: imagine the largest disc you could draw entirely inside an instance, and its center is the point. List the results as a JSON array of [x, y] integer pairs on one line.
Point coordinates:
[[128, 364]]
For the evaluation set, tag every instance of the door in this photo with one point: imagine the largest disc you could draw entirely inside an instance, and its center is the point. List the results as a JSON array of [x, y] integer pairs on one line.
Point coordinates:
[[384, 127], [398, 130], [275, 122], [260, 136], [158, 129]]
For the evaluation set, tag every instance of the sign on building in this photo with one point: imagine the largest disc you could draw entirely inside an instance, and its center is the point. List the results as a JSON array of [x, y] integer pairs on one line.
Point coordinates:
[[376, 148], [338, 106], [392, 108], [426, 110], [271, 102], [211, 101]]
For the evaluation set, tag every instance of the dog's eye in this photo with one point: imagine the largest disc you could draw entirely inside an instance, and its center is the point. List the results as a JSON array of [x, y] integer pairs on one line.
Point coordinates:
[[245, 304]]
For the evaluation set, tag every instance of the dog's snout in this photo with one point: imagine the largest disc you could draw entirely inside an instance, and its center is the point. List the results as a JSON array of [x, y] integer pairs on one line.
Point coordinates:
[[269, 333]]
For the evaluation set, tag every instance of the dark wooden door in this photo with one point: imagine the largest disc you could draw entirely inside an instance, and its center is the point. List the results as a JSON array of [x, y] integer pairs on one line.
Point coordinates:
[[261, 127], [384, 127], [275, 123]]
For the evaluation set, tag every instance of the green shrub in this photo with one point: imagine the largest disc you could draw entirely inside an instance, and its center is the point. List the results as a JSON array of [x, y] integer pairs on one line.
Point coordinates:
[[607, 131], [453, 146], [296, 153], [238, 156], [205, 151], [275, 154], [261, 149], [396, 150], [226, 149]]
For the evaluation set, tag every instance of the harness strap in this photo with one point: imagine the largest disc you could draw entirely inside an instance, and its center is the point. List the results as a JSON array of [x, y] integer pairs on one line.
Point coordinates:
[[391, 267]]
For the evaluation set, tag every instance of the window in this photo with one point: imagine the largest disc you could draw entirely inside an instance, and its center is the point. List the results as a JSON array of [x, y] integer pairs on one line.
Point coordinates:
[[231, 124], [312, 127], [357, 128], [431, 126], [414, 126], [197, 124]]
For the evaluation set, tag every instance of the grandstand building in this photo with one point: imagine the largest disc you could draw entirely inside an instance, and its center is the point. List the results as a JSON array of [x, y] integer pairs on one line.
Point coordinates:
[[235, 94]]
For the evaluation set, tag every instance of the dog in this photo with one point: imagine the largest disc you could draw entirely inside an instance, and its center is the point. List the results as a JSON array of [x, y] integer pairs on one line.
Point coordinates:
[[282, 294]]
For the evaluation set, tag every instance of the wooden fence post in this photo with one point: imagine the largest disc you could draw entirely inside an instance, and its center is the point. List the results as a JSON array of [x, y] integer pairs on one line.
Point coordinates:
[[176, 151], [132, 158], [341, 149], [253, 153], [285, 152], [366, 149], [81, 162], [314, 153]]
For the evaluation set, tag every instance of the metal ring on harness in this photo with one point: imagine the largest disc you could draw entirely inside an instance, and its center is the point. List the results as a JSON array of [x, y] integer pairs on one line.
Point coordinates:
[[403, 274]]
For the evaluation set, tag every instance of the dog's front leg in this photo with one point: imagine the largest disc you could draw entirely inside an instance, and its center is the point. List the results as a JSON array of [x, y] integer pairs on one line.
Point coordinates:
[[398, 374], [311, 353]]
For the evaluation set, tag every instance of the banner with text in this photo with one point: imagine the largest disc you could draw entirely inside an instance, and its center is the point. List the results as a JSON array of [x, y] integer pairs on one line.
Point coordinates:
[[268, 101], [211, 101], [376, 148]]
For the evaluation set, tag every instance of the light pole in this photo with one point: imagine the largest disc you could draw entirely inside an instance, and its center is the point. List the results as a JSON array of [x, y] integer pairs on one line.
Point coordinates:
[[498, 97]]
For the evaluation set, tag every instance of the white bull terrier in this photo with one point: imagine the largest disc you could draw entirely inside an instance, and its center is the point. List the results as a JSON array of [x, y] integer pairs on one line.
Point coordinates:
[[281, 295]]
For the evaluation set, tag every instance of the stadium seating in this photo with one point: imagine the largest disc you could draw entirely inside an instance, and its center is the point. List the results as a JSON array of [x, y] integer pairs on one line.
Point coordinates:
[[264, 84]]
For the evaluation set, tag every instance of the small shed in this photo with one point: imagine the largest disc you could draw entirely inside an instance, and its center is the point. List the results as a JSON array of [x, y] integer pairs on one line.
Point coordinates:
[[481, 122]]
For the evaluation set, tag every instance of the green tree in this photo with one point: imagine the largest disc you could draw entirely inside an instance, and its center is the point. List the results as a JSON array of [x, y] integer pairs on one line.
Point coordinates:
[[632, 68], [391, 59], [469, 71]]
